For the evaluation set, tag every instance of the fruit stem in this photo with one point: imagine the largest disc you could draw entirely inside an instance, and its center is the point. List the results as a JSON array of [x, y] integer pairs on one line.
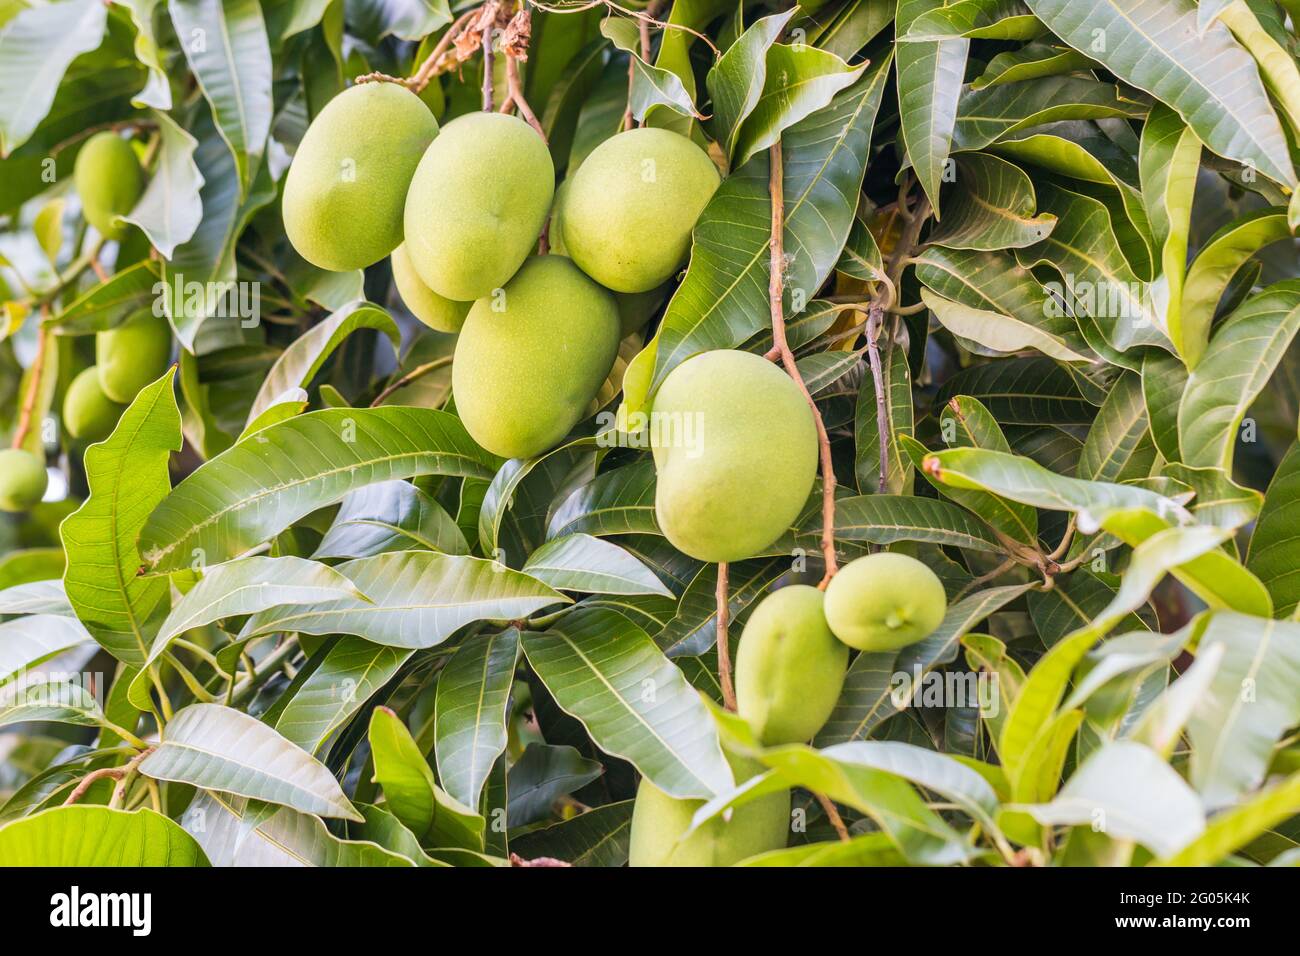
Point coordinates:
[[34, 384], [833, 815], [781, 349], [487, 68], [724, 648]]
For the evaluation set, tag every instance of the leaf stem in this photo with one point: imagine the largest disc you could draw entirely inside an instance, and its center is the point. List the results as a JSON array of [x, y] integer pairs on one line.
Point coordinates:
[[112, 773], [781, 349], [409, 377]]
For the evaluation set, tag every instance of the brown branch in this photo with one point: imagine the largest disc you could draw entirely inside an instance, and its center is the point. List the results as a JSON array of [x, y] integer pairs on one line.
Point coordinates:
[[487, 68], [516, 95], [34, 385], [110, 773], [418, 372], [781, 349], [833, 816], [724, 648]]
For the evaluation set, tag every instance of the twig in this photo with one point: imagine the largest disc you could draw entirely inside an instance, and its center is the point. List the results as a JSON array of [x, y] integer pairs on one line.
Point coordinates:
[[409, 377], [487, 68], [34, 384], [882, 404], [111, 773], [724, 648], [582, 7], [516, 96], [997, 572], [833, 816], [116, 126], [781, 348]]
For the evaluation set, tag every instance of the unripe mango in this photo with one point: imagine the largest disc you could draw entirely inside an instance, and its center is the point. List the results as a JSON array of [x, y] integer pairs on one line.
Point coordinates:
[[631, 206], [790, 667], [658, 822], [346, 190], [477, 204], [884, 601], [531, 358], [22, 479], [433, 310], [87, 412], [735, 448], [109, 181], [132, 355]]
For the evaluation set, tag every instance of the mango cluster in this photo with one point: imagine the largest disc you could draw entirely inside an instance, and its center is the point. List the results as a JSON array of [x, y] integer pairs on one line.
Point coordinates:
[[459, 209], [127, 358]]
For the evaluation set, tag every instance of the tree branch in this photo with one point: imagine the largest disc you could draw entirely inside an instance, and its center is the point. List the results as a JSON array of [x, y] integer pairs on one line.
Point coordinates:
[[781, 349], [724, 648], [110, 773]]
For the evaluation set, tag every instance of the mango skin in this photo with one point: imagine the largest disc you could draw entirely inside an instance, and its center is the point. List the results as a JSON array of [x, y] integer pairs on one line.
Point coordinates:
[[790, 667], [109, 180], [884, 601], [22, 479], [88, 413], [477, 204], [345, 192], [630, 208], [658, 821], [522, 377], [132, 355], [442, 315], [740, 457]]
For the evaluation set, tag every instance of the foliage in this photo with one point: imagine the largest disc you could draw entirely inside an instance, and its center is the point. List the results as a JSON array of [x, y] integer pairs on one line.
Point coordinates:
[[1036, 270]]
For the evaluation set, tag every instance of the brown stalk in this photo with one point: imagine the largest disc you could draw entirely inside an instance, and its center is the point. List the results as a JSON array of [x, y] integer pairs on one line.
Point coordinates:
[[724, 648], [34, 385], [111, 773]]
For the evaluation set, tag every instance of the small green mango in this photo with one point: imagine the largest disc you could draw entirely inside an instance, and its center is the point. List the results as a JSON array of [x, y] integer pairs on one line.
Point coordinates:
[[22, 479], [346, 189], [658, 822], [109, 180], [531, 358], [631, 206], [735, 448], [884, 601], [477, 204], [790, 667], [442, 315], [88, 413], [132, 355]]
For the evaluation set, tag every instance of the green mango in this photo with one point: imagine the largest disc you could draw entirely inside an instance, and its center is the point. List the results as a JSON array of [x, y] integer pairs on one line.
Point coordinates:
[[477, 204], [630, 208], [658, 822], [132, 355], [790, 668], [735, 448], [22, 479], [346, 189], [442, 315], [884, 601], [531, 358], [109, 180], [88, 413]]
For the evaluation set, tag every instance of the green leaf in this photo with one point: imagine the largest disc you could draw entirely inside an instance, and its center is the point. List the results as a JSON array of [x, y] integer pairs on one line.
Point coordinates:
[[1031, 62], [226, 46], [170, 209], [870, 688], [36, 47], [31, 641], [219, 748], [256, 489], [982, 19], [1001, 334], [1250, 704], [651, 86], [85, 836], [735, 82], [234, 833], [929, 86], [987, 115], [390, 516], [35, 597], [1119, 446], [470, 712], [128, 477], [621, 501], [693, 629], [886, 519], [405, 19], [1127, 792], [1164, 378], [1211, 81], [352, 672], [993, 209], [1235, 827], [579, 562], [542, 775], [299, 363], [1022, 391], [1219, 500], [51, 698], [1247, 347], [1274, 554], [598, 837], [897, 390], [723, 299], [105, 305], [634, 702], [416, 599], [1219, 260]]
